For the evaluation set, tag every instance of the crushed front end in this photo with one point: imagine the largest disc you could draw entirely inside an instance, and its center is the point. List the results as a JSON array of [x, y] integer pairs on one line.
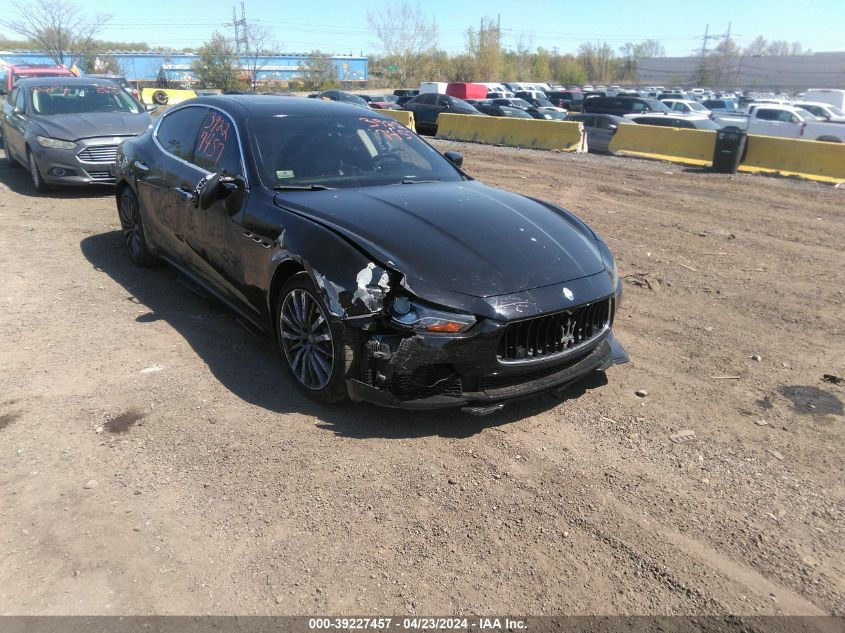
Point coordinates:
[[417, 355]]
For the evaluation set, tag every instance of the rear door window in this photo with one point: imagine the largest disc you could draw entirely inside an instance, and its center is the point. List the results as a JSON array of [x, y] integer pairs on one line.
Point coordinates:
[[177, 132]]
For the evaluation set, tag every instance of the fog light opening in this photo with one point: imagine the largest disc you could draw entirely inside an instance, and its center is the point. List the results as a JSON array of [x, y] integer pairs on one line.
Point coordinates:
[[58, 171]]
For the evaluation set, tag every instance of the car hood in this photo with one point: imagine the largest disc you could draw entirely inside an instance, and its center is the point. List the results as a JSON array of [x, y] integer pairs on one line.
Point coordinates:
[[73, 127], [464, 236]]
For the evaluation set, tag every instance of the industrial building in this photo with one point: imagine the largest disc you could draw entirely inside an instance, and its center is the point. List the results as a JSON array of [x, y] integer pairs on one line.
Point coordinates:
[[149, 67], [788, 73]]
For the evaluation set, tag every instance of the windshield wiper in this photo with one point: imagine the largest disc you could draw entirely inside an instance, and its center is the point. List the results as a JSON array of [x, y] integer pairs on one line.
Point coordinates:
[[302, 188], [415, 182]]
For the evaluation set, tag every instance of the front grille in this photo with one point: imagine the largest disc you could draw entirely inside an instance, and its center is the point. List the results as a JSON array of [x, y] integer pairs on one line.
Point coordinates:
[[98, 154], [554, 334], [424, 382], [100, 175]]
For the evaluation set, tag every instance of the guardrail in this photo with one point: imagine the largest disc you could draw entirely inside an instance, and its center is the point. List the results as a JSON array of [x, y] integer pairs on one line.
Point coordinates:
[[405, 117], [691, 147], [815, 160], [565, 136]]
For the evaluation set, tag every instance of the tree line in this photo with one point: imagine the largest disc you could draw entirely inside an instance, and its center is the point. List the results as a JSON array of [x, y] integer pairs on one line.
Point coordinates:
[[407, 41]]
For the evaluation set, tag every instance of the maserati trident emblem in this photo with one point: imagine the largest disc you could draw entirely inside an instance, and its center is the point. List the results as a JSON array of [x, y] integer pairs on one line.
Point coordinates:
[[568, 294], [567, 333]]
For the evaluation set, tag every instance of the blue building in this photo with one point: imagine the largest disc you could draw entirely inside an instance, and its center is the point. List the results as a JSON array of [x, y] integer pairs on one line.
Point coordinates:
[[149, 67]]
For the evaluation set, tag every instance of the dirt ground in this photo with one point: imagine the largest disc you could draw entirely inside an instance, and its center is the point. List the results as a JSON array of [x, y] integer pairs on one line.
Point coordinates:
[[154, 457]]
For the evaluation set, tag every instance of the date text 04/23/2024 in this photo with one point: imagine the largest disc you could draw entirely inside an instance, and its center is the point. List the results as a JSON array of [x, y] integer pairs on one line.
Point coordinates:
[[417, 623]]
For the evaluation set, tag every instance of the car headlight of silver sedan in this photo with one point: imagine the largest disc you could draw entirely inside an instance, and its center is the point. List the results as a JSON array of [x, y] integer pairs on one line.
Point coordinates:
[[54, 143]]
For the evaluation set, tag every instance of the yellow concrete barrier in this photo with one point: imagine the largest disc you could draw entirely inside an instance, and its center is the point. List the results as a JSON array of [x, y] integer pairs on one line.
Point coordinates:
[[691, 147], [173, 96], [404, 117], [814, 160], [566, 136]]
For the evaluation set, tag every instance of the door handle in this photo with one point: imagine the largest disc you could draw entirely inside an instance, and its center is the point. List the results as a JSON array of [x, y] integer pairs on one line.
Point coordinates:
[[184, 194], [140, 166]]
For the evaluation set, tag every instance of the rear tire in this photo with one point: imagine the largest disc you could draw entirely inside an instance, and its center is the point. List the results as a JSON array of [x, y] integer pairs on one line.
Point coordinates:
[[311, 341], [160, 97], [132, 227]]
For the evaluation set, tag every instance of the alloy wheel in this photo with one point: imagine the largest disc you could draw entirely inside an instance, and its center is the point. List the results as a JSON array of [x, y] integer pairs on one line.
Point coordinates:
[[130, 225], [307, 339]]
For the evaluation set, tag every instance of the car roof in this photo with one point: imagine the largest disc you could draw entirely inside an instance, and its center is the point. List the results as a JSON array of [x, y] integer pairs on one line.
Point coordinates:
[[264, 106]]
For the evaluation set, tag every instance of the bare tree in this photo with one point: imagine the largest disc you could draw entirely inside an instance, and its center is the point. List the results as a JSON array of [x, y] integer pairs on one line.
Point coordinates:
[[259, 45], [523, 56], [484, 46], [59, 29], [757, 47], [404, 33]]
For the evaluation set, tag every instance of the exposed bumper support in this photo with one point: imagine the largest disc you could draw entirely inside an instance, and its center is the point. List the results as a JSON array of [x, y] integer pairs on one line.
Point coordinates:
[[603, 356]]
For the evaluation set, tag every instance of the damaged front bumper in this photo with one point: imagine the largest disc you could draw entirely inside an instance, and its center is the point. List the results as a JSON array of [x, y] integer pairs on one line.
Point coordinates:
[[437, 372]]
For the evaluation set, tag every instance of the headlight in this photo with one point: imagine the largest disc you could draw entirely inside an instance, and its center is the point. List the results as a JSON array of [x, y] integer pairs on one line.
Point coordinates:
[[54, 143], [410, 314], [609, 261]]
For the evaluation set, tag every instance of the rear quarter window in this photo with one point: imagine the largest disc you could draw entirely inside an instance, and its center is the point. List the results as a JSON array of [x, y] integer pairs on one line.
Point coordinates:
[[177, 132]]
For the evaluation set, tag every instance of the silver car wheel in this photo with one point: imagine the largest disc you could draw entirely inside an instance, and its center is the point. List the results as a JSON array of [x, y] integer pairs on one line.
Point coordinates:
[[307, 339]]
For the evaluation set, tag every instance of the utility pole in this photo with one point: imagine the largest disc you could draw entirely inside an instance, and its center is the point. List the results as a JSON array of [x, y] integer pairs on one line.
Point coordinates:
[[241, 31]]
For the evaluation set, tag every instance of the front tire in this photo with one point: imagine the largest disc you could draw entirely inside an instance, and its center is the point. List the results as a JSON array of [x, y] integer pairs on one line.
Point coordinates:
[[35, 173], [311, 340], [132, 227]]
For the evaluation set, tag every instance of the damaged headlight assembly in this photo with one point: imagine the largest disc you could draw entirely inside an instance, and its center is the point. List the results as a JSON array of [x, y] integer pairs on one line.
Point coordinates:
[[54, 143], [411, 314]]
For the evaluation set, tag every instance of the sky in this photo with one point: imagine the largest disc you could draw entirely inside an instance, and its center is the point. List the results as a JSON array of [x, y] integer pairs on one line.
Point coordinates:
[[341, 26]]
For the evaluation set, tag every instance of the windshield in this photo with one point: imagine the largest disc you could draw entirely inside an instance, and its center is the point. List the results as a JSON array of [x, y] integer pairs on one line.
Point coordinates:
[[697, 107], [342, 151], [81, 98], [544, 103], [807, 115], [836, 111], [657, 106], [521, 103]]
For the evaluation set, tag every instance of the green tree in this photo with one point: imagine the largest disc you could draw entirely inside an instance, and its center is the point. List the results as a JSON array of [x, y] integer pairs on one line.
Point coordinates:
[[318, 72], [217, 64]]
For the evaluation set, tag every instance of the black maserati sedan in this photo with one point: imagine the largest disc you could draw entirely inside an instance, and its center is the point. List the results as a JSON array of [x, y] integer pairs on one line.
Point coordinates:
[[383, 271]]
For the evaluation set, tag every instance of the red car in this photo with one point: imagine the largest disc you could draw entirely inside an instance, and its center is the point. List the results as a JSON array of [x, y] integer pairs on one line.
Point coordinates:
[[34, 71], [380, 102]]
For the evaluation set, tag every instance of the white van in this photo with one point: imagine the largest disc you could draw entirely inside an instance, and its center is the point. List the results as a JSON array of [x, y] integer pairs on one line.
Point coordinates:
[[433, 86], [826, 95]]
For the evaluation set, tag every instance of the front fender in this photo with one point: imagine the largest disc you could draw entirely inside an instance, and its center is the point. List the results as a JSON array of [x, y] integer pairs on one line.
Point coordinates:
[[352, 284]]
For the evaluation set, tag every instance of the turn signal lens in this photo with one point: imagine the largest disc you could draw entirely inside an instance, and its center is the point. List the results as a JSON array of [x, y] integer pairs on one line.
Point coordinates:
[[445, 326]]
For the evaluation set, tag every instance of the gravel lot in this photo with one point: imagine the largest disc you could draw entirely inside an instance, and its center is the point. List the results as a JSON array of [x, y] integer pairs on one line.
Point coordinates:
[[154, 458]]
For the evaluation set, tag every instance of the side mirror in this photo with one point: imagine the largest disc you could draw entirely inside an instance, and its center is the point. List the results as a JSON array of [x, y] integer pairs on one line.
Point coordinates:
[[151, 107], [612, 126], [17, 111], [3, 92], [218, 187], [456, 158]]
